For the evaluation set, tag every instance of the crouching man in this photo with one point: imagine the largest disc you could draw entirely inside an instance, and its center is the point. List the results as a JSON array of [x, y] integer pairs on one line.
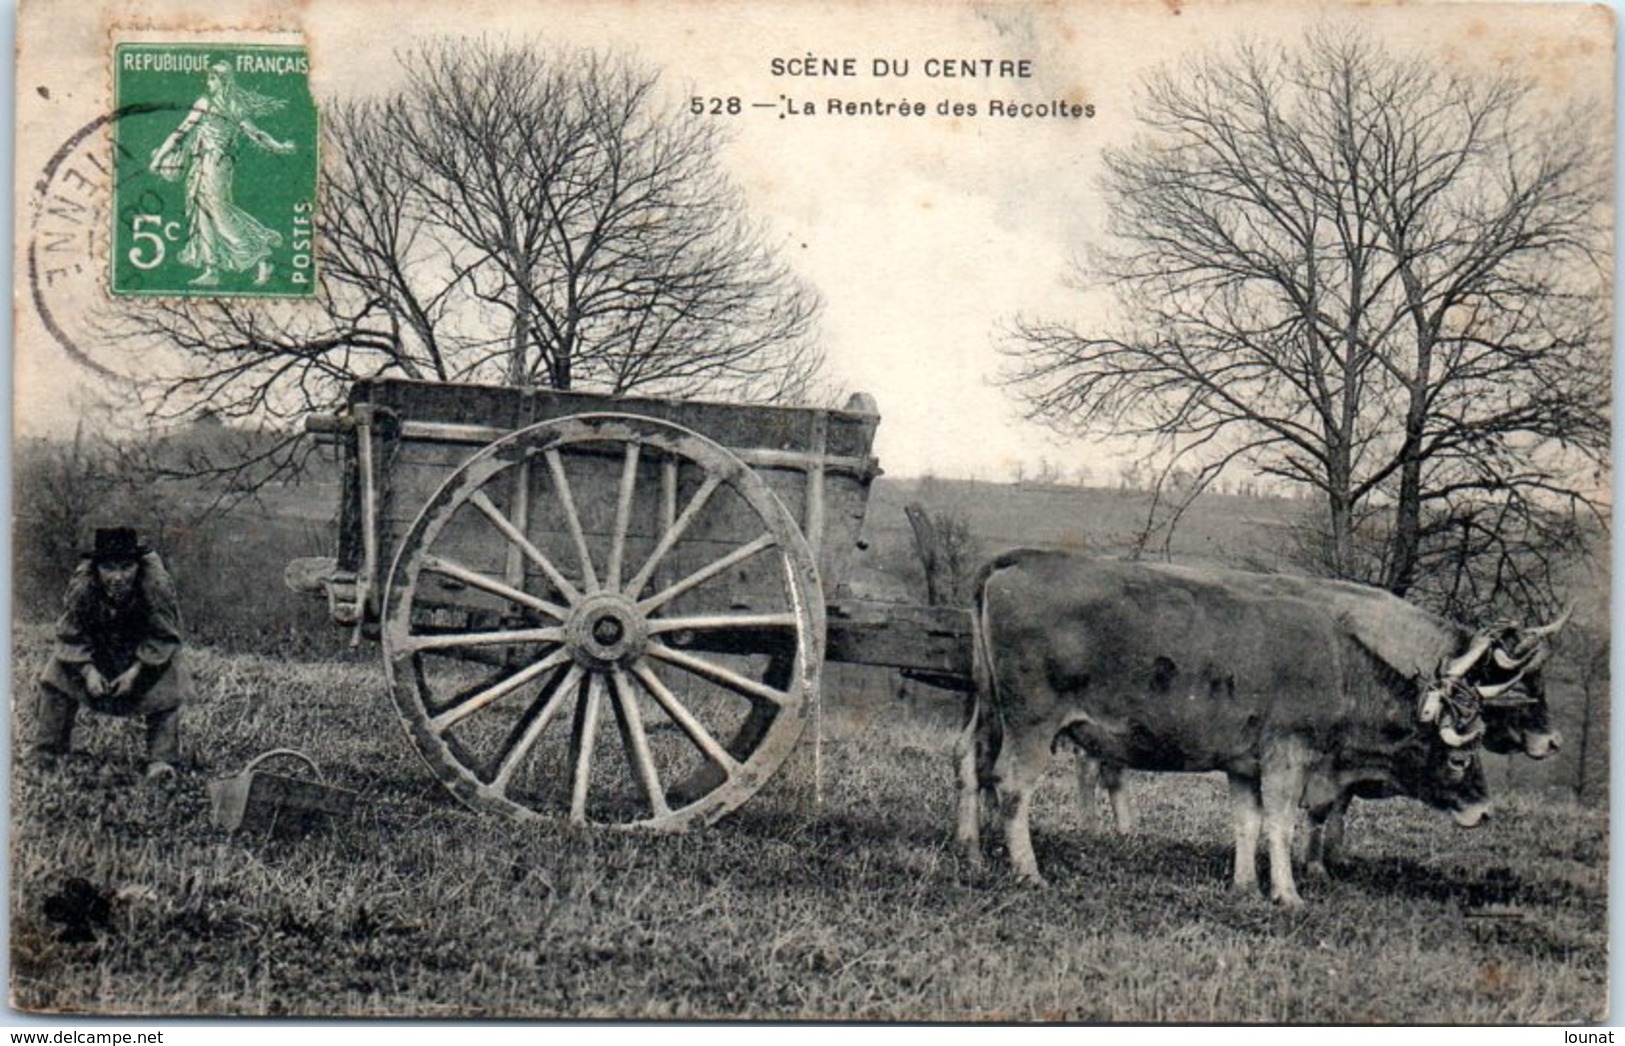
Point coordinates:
[[118, 650]]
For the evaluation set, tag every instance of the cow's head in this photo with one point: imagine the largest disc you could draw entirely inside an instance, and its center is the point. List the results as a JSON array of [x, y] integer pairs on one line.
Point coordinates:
[[1454, 782], [1493, 691], [1422, 766]]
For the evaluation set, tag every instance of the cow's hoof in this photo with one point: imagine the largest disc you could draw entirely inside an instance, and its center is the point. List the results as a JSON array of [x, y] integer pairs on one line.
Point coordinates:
[[158, 771], [1031, 880], [1316, 872], [1289, 901]]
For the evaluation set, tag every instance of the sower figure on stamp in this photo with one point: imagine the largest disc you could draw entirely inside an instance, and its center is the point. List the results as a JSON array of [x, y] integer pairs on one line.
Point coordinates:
[[118, 650], [204, 147]]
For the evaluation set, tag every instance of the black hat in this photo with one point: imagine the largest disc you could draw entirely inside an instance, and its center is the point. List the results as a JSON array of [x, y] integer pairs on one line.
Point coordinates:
[[116, 543]]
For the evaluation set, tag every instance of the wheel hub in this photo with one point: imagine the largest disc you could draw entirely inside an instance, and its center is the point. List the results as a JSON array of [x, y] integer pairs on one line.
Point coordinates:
[[605, 629]]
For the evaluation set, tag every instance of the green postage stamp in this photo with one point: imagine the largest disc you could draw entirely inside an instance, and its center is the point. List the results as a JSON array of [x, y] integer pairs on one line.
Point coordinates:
[[215, 156]]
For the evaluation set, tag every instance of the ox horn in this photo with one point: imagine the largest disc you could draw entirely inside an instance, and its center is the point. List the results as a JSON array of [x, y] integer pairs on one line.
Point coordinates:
[[1529, 638], [1432, 704], [1508, 661], [1539, 658], [1490, 693], [1450, 736], [1464, 664]]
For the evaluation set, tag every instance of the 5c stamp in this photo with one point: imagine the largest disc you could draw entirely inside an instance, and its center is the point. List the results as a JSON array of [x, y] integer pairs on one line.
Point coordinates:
[[215, 183]]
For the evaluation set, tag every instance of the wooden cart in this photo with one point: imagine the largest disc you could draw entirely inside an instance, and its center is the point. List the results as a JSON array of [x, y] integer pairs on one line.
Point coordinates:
[[538, 565]]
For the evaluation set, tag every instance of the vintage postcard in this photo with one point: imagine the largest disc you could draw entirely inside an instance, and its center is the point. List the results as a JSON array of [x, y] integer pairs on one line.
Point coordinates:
[[1080, 512]]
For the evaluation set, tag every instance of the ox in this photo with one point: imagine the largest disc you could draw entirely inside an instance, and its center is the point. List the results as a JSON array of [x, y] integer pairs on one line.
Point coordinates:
[[1490, 680], [1171, 670]]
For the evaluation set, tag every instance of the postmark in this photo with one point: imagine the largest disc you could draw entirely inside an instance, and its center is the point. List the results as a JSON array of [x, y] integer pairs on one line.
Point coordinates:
[[219, 198], [66, 249]]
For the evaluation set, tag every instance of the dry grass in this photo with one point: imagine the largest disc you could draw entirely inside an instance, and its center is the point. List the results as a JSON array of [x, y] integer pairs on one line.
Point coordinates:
[[833, 894]]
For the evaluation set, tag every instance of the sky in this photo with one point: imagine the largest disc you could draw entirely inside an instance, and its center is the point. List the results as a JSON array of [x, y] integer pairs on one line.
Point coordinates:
[[924, 235]]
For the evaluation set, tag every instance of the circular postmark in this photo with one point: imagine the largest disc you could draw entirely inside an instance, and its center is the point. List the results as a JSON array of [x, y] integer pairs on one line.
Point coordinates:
[[67, 252]]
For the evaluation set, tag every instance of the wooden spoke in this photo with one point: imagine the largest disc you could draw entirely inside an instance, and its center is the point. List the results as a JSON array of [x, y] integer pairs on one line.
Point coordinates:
[[519, 504], [720, 622], [453, 569], [668, 493], [451, 640], [706, 573], [572, 518], [623, 518], [447, 718], [542, 713], [636, 741], [521, 542], [673, 534], [684, 719], [719, 674], [582, 738]]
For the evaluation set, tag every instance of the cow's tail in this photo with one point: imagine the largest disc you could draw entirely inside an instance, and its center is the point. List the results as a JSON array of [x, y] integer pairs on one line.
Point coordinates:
[[978, 743], [984, 727]]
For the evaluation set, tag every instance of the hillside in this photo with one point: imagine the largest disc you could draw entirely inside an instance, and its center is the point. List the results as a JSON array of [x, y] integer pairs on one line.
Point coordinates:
[[1221, 529]]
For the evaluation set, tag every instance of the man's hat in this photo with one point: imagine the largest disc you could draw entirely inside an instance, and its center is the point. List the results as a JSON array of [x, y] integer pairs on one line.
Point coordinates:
[[116, 543]]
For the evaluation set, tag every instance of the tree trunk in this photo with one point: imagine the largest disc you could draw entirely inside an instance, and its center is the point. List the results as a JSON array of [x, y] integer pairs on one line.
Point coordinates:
[[562, 371], [1585, 743], [1342, 519], [926, 545], [517, 371], [1340, 506], [1407, 536]]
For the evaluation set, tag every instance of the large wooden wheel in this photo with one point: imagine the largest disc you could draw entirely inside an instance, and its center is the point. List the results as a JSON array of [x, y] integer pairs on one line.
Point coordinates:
[[604, 564]]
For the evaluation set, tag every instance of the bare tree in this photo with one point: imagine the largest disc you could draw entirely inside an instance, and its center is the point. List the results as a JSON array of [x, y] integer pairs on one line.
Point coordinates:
[[1478, 558], [1357, 272], [1590, 653], [513, 216], [949, 553]]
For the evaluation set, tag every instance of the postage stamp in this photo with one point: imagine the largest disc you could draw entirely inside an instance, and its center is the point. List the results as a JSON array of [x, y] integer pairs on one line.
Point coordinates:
[[216, 181]]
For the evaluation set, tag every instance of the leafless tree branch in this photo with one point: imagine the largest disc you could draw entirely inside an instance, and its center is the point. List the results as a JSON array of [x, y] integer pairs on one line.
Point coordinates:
[[1384, 280]]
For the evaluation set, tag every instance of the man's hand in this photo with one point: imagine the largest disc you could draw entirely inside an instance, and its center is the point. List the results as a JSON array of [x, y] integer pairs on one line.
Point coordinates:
[[126, 680], [94, 683]]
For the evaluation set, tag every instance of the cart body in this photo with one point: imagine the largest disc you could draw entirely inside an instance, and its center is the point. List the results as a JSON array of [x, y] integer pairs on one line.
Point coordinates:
[[403, 438], [533, 561]]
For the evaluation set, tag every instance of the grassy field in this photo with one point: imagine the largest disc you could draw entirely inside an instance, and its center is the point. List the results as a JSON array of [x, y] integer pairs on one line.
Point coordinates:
[[835, 893]]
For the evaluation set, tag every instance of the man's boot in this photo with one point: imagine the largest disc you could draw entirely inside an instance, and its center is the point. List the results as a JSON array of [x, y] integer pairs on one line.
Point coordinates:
[[53, 733]]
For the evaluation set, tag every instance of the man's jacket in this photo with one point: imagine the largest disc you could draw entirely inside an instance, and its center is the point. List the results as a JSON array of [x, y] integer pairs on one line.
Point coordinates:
[[146, 630]]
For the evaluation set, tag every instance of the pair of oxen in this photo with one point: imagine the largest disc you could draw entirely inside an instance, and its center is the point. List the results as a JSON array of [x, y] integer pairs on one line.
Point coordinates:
[[1306, 693]]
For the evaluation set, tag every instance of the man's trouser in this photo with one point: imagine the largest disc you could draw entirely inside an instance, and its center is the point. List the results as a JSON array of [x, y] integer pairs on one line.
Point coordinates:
[[58, 712]]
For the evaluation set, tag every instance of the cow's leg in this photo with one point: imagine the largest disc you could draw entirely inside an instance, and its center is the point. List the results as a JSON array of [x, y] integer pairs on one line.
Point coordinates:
[[1088, 781], [1015, 807], [1246, 815], [968, 833], [1021, 762], [1332, 849], [1326, 836], [1280, 789], [1111, 777], [1095, 774]]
